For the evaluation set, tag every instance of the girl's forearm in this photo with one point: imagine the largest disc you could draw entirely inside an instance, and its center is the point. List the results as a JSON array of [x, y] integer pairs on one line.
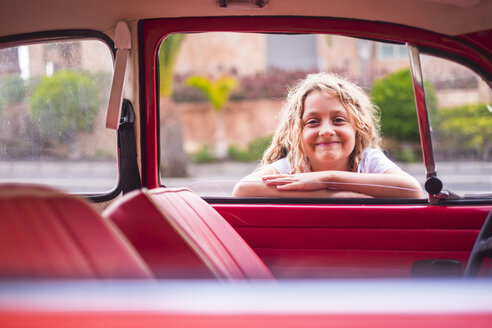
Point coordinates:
[[258, 188], [387, 185]]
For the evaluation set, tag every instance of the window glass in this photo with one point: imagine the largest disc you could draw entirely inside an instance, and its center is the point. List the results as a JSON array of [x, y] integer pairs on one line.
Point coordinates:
[[208, 143], [460, 111], [53, 100], [386, 51], [392, 51], [292, 52]]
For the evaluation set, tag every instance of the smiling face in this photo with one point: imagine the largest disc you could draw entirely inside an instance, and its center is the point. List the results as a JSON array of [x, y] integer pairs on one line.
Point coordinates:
[[328, 135]]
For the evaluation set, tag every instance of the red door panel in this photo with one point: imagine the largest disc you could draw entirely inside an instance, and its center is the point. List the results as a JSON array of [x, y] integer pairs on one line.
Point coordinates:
[[327, 241], [324, 264]]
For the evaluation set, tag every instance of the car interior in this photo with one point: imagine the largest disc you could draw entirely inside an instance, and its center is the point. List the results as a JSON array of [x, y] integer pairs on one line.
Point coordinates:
[[111, 169]]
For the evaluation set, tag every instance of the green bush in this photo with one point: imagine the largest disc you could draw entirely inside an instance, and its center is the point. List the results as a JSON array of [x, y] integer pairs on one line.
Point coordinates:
[[258, 146], [65, 104], [465, 131], [205, 154], [236, 153], [394, 96], [408, 155], [103, 155], [254, 151], [12, 90], [102, 81]]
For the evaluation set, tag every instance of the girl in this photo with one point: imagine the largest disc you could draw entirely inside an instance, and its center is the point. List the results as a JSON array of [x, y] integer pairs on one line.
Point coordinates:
[[327, 145]]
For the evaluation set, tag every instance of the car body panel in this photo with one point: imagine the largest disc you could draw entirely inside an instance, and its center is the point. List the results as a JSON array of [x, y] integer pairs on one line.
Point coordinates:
[[337, 303]]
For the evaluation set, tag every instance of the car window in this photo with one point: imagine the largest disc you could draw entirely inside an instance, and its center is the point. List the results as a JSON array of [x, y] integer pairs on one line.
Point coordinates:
[[221, 96], [461, 118], [53, 98]]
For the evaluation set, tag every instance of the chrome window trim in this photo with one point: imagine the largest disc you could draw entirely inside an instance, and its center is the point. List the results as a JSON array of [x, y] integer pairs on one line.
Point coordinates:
[[432, 185]]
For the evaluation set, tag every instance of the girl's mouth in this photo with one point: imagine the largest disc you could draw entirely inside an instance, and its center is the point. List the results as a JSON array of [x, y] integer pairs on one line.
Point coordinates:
[[327, 144]]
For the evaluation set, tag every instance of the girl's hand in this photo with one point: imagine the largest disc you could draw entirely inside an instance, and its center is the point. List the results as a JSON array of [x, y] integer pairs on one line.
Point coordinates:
[[312, 181], [309, 181]]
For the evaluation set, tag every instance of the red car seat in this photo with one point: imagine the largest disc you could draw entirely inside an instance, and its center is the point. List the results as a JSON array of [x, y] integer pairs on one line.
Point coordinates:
[[179, 235], [49, 234]]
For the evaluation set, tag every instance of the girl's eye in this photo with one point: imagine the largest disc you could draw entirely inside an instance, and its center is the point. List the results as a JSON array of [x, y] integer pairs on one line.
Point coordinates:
[[311, 122], [339, 120]]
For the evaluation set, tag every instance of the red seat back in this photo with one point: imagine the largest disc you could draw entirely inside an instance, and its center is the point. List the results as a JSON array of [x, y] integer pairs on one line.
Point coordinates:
[[45, 233], [181, 236]]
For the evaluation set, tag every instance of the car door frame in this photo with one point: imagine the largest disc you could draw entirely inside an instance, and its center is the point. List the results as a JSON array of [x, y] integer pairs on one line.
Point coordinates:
[[447, 230]]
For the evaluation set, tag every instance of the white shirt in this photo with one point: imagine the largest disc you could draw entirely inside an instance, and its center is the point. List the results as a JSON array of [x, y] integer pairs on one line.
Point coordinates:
[[372, 161]]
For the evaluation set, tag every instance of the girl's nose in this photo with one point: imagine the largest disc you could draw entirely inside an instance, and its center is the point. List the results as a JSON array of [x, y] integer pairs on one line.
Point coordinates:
[[326, 129]]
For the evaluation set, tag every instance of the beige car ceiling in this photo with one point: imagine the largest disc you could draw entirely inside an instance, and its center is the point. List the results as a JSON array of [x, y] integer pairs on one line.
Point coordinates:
[[450, 17]]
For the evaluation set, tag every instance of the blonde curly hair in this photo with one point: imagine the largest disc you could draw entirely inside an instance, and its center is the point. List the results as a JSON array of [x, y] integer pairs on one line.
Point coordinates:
[[364, 115]]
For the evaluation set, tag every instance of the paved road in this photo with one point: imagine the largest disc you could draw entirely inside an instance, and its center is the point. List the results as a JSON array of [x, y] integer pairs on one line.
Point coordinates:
[[215, 179]]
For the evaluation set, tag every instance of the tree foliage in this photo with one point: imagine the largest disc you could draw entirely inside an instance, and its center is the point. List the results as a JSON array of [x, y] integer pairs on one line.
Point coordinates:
[[217, 92], [395, 97], [173, 159], [12, 90], [253, 153], [65, 104], [167, 58], [465, 131]]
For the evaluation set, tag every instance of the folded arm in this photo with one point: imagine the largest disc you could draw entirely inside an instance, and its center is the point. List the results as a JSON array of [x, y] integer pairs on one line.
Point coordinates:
[[254, 185], [394, 183]]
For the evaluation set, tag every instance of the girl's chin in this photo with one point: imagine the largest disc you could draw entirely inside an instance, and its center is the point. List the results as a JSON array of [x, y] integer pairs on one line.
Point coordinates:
[[327, 156], [328, 161]]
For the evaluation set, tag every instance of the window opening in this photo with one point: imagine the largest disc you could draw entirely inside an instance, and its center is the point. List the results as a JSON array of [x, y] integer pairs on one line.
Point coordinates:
[[461, 119], [257, 73], [53, 100]]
